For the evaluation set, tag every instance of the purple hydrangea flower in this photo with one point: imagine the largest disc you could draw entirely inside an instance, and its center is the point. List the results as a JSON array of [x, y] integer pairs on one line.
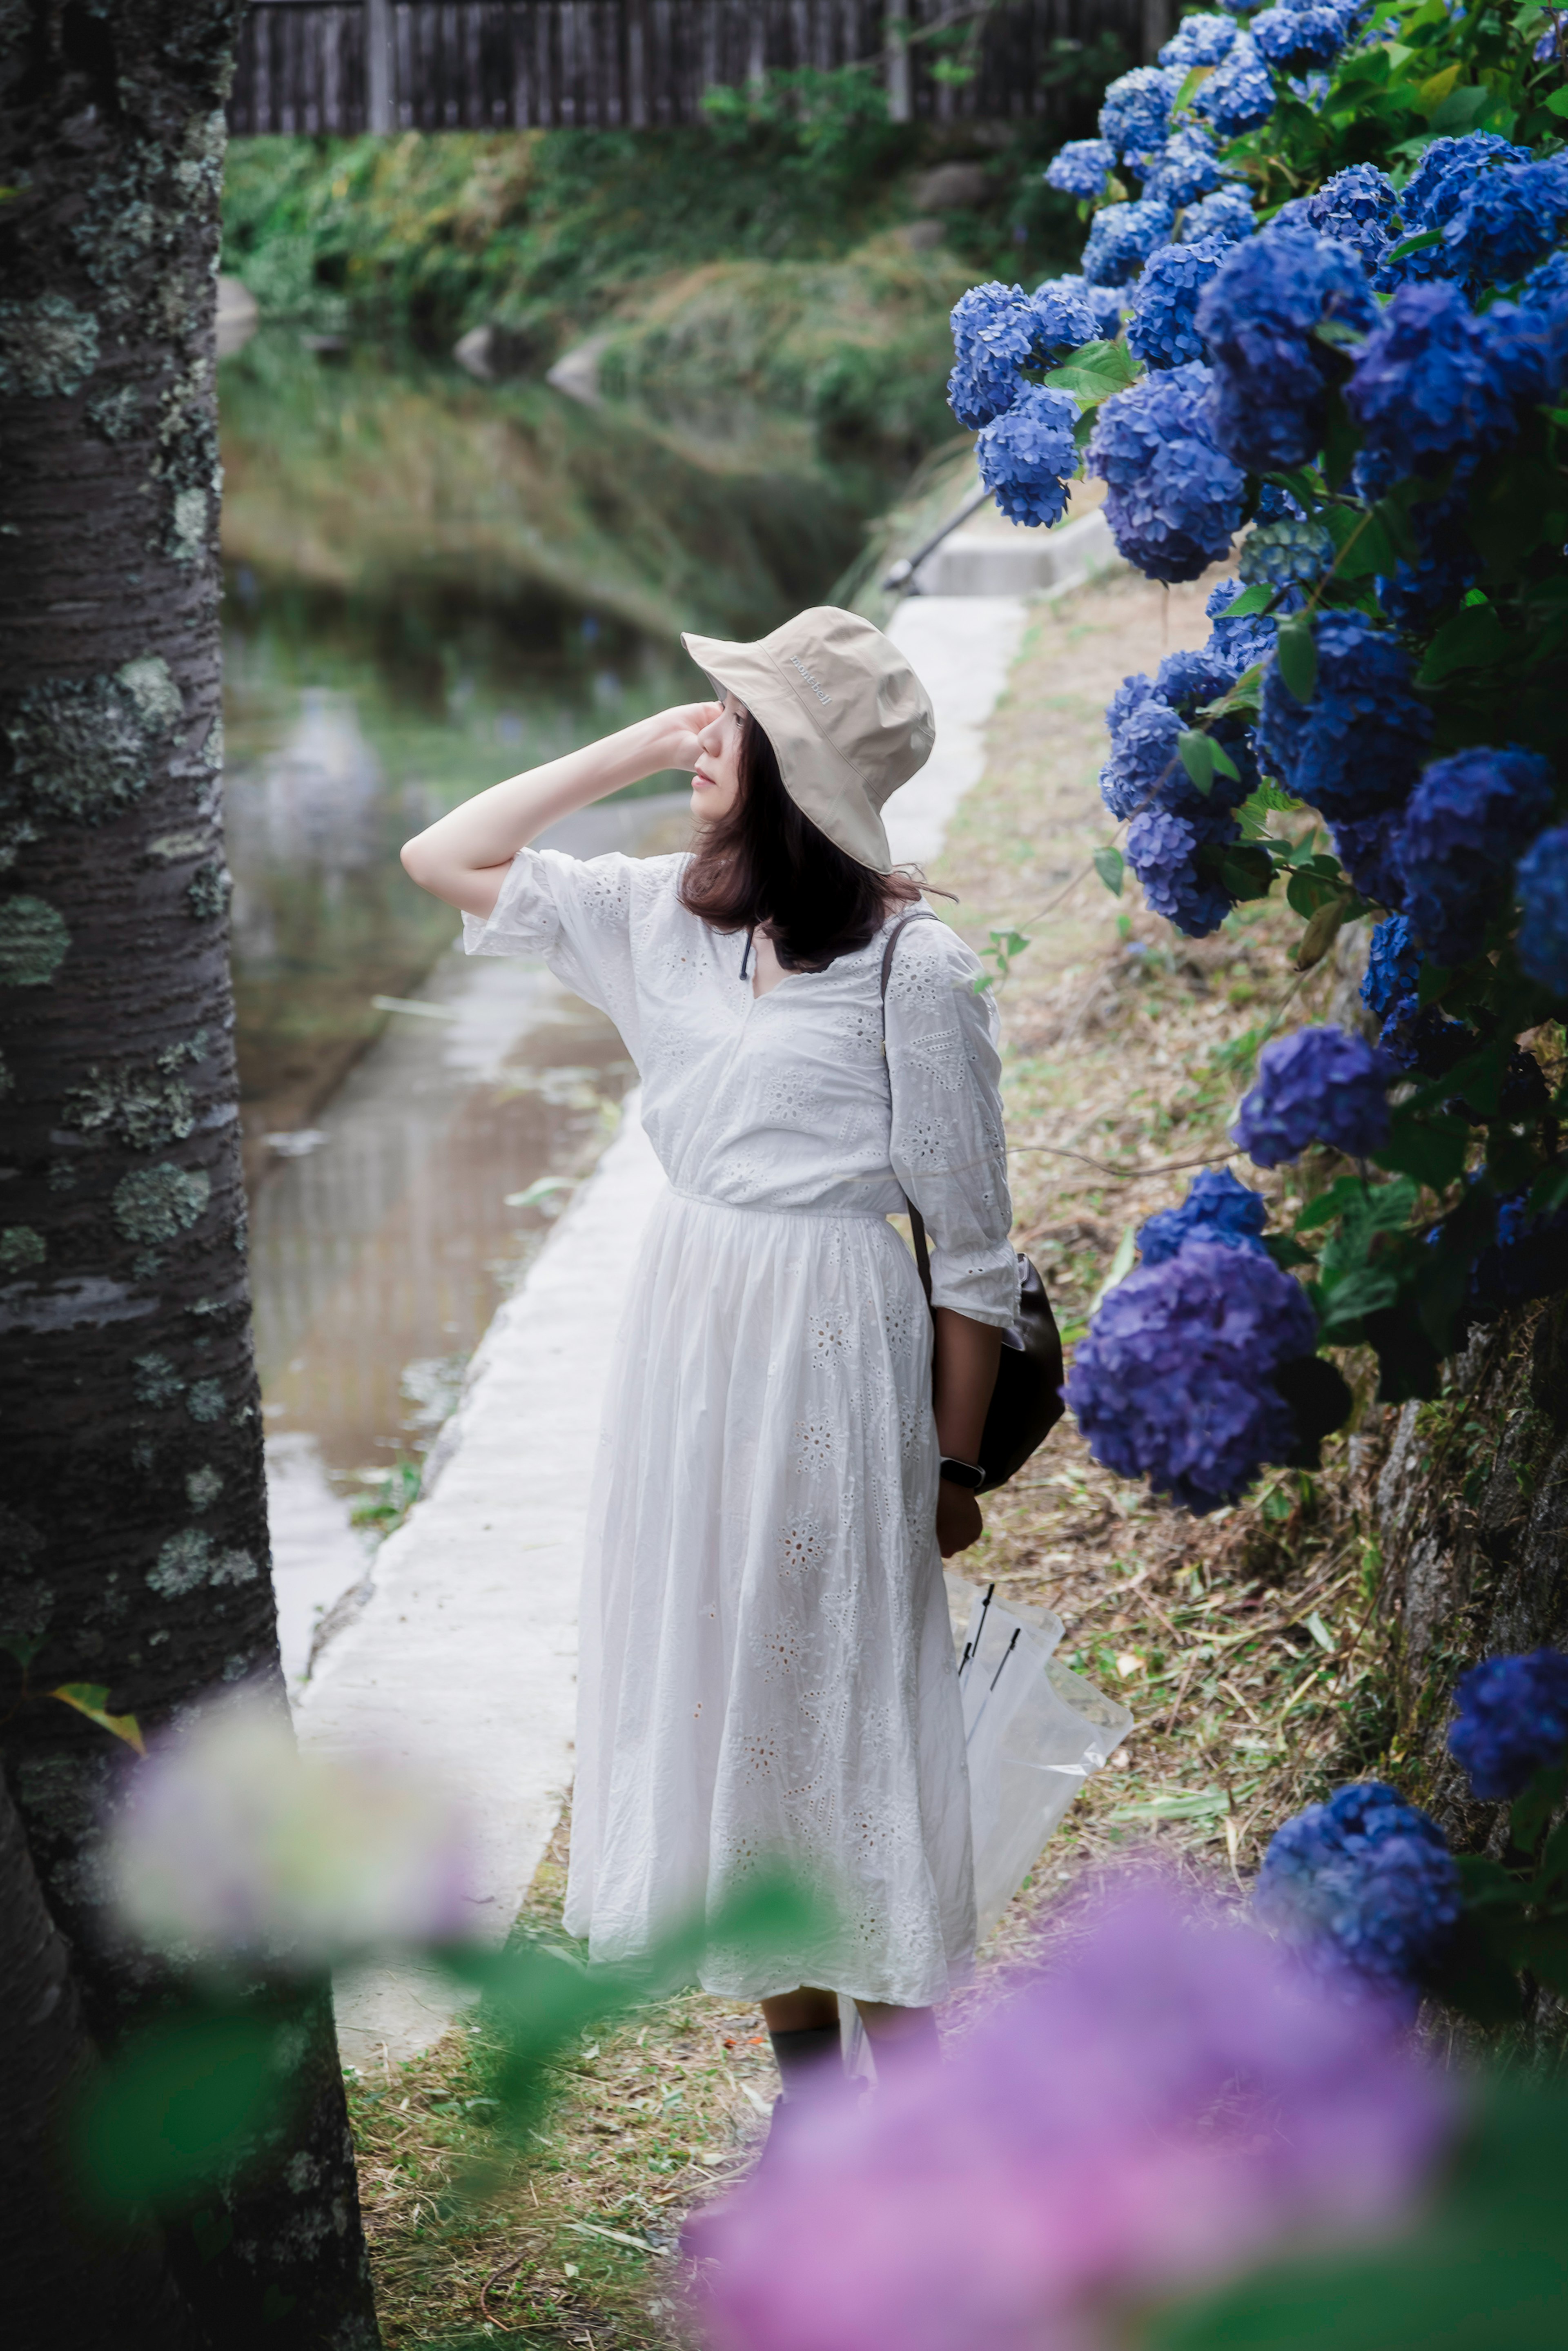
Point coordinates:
[[1103, 303], [1121, 239], [1542, 880], [1293, 38], [1137, 110], [1188, 168], [1027, 456], [1227, 215], [1163, 332], [1508, 220], [1466, 822], [1082, 168], [1218, 1207], [1173, 1381], [1200, 40], [1239, 94], [1354, 749], [1320, 1085], [1433, 379], [1365, 1884], [1169, 2100], [1359, 206], [1174, 498], [1364, 847], [1389, 985], [1259, 318], [1163, 850], [1511, 1721]]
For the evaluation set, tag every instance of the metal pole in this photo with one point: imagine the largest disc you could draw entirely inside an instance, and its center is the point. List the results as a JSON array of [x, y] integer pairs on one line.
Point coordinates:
[[379, 66], [896, 25]]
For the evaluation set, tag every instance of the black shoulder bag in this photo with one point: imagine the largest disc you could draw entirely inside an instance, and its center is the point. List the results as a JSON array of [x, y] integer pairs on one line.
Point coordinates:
[[1026, 1403]]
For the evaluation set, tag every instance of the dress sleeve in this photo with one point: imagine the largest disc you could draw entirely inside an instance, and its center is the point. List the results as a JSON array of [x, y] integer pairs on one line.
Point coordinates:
[[576, 914], [948, 1149]]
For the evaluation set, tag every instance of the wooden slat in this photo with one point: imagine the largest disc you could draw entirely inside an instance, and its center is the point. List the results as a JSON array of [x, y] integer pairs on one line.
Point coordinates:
[[491, 64]]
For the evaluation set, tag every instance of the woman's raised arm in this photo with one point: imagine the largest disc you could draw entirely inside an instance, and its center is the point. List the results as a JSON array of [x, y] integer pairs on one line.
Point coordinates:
[[462, 857]]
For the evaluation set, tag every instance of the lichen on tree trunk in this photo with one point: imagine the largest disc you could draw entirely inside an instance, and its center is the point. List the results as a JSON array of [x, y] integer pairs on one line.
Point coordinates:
[[134, 1526]]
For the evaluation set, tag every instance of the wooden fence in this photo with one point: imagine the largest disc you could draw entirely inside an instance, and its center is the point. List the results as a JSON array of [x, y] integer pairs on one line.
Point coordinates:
[[492, 65]]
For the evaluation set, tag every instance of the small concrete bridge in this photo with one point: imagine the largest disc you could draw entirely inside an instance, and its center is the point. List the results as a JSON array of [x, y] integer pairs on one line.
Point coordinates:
[[387, 65]]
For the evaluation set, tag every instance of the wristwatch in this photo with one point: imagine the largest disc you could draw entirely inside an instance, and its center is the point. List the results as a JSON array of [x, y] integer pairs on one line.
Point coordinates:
[[968, 1474]]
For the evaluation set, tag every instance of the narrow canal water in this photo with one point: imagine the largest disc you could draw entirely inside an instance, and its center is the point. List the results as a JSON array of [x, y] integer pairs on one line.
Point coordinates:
[[413, 1120]]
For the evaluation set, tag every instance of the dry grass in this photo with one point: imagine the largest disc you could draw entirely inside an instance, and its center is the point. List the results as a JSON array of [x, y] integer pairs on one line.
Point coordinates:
[[1248, 1644]]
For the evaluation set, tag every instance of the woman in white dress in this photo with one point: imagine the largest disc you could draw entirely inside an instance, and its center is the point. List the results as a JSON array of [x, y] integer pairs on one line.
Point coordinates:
[[767, 1669]]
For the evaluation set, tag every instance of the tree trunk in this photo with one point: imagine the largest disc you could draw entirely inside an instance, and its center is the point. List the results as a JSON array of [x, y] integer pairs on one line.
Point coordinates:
[[134, 1535], [70, 2285]]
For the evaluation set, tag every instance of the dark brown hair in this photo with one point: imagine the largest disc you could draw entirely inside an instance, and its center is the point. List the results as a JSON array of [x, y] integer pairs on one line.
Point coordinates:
[[768, 862]]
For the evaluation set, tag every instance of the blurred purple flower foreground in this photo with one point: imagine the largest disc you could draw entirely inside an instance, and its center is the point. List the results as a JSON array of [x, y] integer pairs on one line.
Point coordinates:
[[234, 1846], [1170, 2103]]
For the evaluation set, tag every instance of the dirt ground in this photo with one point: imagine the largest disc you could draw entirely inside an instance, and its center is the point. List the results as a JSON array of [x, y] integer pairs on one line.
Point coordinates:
[[1248, 1645]]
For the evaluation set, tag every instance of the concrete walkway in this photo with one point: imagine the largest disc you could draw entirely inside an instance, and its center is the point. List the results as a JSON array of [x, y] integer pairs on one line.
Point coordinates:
[[463, 1659]]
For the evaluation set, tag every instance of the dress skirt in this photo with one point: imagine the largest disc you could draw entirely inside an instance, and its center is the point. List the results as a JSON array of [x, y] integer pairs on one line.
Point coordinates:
[[766, 1668]]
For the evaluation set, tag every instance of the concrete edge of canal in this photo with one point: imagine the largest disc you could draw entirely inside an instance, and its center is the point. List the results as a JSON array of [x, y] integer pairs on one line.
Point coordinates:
[[463, 1659]]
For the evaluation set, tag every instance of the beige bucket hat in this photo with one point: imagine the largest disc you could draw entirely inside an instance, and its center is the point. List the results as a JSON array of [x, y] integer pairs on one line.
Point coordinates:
[[848, 719]]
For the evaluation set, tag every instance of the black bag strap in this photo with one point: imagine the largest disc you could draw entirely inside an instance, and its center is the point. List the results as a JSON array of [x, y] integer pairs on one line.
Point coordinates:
[[916, 1221]]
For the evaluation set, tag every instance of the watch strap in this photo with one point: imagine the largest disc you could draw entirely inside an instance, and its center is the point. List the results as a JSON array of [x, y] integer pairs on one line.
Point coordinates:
[[968, 1474]]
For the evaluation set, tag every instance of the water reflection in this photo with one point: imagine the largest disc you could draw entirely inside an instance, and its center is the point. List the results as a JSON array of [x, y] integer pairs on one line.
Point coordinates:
[[400, 1103]]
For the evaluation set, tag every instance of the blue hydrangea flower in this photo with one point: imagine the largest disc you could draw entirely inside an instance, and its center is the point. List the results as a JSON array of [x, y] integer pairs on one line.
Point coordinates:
[[1321, 1085], [1239, 643], [1354, 749], [1144, 756], [1365, 1884], [1200, 40], [1082, 168], [1533, 330], [1137, 110], [1465, 823], [1163, 332], [997, 331], [1508, 220], [1364, 847], [1280, 553], [1552, 43], [1259, 319], [1529, 1258], [1542, 880], [1218, 1207], [1165, 851], [1172, 1380], [1389, 985], [1275, 503], [1188, 680], [1174, 498], [1027, 456], [1436, 187], [1121, 239], [1187, 170], [1239, 94], [1359, 206], [1511, 1721], [1227, 215], [1103, 303], [1293, 38]]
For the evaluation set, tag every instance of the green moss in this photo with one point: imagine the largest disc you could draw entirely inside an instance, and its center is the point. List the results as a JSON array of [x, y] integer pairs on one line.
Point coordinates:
[[193, 1558], [20, 1248], [154, 1381], [205, 1401], [135, 1105], [47, 347], [83, 749], [208, 891], [202, 1487], [158, 1204], [33, 942]]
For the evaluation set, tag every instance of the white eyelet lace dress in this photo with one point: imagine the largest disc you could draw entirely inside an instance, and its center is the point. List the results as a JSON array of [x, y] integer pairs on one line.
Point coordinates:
[[766, 1671]]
